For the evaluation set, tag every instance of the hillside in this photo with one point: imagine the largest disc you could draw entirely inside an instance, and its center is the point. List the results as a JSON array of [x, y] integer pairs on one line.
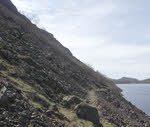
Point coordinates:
[[145, 81], [127, 80], [38, 75]]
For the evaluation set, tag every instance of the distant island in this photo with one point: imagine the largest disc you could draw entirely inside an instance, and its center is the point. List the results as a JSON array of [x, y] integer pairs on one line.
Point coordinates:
[[128, 80]]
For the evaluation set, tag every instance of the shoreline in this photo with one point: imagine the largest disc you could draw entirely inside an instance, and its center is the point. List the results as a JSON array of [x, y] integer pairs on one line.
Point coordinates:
[[125, 97]]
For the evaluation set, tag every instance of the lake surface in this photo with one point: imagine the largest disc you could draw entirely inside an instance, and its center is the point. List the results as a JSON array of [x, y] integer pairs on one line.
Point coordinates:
[[137, 94]]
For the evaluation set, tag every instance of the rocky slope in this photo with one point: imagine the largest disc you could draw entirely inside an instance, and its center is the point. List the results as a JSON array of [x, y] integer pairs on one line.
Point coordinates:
[[37, 73]]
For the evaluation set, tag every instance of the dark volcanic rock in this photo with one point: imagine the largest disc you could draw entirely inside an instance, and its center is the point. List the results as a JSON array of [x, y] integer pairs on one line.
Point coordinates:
[[86, 112], [3, 96]]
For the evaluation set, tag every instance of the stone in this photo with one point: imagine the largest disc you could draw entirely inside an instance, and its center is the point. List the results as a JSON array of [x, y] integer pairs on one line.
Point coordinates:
[[87, 112], [55, 108], [3, 96], [1, 39], [49, 113]]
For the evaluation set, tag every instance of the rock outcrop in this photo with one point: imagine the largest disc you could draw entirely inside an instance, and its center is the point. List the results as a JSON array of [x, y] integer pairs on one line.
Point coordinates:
[[87, 112], [3, 96]]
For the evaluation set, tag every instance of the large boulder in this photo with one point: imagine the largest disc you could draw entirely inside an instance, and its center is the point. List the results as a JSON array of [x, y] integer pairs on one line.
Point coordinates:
[[87, 112], [71, 101]]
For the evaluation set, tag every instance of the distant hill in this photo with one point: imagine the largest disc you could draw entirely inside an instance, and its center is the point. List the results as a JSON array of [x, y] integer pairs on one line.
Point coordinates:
[[128, 80], [125, 80], [145, 81]]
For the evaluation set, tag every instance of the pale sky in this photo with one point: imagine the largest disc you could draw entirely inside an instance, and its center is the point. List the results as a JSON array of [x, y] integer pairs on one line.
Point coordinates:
[[111, 35]]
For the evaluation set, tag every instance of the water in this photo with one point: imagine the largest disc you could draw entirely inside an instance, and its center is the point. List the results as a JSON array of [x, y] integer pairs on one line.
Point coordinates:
[[137, 94]]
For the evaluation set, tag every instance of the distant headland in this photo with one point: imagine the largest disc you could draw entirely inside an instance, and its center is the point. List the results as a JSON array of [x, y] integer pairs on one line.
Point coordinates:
[[128, 80]]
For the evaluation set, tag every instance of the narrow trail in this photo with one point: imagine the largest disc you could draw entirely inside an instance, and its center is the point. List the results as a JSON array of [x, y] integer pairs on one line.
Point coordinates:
[[92, 98]]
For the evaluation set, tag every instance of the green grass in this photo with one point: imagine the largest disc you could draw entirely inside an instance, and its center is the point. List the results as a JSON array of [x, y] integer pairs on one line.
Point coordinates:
[[106, 124], [103, 90], [92, 96], [9, 69], [35, 104], [75, 121], [30, 125], [45, 99], [3, 73], [19, 84]]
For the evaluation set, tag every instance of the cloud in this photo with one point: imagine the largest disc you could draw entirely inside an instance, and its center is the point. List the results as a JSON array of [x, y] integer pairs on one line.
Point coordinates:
[[111, 35]]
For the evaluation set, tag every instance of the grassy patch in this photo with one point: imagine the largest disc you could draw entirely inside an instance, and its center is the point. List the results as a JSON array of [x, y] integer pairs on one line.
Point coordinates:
[[35, 104], [45, 99], [103, 90], [4, 64], [41, 103], [92, 97], [106, 124], [68, 113], [19, 84], [75, 121], [30, 125], [3, 73]]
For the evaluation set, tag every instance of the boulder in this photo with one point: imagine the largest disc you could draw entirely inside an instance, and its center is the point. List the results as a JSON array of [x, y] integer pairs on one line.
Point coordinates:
[[7, 97], [3, 96], [70, 101], [87, 112]]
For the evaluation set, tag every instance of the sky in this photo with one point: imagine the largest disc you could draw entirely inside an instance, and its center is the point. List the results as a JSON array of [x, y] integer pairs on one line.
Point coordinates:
[[112, 36]]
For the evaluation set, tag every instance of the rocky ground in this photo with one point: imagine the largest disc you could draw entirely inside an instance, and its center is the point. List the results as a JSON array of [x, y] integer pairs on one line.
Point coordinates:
[[37, 73]]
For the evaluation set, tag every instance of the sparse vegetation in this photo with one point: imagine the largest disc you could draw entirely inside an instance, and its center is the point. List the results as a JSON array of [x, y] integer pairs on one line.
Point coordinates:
[[106, 124], [21, 85], [35, 104], [75, 121]]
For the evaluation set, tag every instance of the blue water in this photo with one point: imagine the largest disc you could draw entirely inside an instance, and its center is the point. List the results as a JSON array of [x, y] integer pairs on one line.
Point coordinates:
[[137, 94]]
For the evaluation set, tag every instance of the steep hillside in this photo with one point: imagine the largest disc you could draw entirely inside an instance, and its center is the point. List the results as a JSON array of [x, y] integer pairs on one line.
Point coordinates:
[[37, 73]]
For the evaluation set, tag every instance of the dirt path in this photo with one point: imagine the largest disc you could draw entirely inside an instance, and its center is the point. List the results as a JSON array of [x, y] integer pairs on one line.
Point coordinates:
[[92, 98]]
